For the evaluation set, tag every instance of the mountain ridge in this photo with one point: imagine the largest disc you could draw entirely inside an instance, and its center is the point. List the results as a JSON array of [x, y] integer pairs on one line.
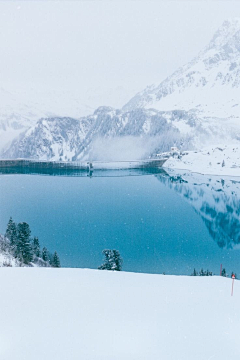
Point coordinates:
[[218, 64]]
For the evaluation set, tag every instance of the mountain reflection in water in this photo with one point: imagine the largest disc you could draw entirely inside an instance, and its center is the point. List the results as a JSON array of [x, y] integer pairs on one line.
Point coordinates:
[[215, 199]]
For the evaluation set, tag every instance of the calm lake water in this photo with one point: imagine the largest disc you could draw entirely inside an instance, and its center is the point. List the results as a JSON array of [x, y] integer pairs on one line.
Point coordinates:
[[159, 222]]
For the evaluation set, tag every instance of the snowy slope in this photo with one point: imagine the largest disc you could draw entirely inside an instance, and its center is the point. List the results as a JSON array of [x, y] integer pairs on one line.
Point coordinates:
[[209, 84], [100, 315], [108, 134], [51, 138], [8, 260], [21, 108], [216, 160], [215, 199], [119, 135]]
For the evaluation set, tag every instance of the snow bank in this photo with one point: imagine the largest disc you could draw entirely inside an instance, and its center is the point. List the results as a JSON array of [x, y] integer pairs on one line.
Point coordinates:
[[215, 160], [99, 315]]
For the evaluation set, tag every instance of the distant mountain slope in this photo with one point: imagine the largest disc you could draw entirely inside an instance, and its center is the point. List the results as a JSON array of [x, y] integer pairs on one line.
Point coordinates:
[[210, 83], [21, 108], [105, 135], [51, 138], [119, 135]]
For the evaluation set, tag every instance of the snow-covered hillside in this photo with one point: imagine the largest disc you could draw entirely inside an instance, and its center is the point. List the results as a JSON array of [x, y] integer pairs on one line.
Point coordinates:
[[209, 83], [215, 199], [21, 108], [51, 138], [7, 259], [103, 315], [215, 160], [119, 135], [108, 134]]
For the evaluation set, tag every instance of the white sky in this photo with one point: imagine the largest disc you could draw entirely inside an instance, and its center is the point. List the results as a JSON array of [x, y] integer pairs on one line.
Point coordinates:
[[102, 52]]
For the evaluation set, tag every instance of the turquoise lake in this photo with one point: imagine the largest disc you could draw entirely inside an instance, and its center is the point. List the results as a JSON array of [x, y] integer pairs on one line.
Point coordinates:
[[160, 222]]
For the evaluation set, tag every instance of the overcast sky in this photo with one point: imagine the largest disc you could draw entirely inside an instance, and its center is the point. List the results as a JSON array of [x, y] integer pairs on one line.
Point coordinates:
[[91, 47]]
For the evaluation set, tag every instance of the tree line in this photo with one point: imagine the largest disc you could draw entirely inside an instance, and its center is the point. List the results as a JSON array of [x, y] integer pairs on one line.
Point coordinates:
[[209, 273], [27, 249]]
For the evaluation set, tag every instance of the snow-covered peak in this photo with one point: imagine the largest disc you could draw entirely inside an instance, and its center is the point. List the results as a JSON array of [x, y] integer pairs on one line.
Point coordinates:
[[209, 83], [229, 30]]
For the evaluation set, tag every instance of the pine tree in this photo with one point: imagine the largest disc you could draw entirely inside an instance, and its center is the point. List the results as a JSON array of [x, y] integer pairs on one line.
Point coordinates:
[[36, 246], [56, 260], [45, 254], [117, 261], [11, 234], [224, 272], [113, 260], [201, 272], [194, 272], [23, 246]]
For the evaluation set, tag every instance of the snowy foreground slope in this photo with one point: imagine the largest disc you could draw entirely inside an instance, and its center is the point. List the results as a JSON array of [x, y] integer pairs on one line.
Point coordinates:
[[88, 314], [215, 160]]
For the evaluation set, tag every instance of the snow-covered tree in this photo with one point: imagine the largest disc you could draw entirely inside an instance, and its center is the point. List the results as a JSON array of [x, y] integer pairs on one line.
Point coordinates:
[[112, 260], [23, 246], [55, 260], [45, 254], [11, 233], [36, 246]]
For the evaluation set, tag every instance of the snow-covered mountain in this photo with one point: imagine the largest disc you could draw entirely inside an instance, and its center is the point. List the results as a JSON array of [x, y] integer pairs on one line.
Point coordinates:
[[136, 134], [51, 138], [215, 199], [20, 109], [209, 85], [199, 104], [108, 134], [15, 116]]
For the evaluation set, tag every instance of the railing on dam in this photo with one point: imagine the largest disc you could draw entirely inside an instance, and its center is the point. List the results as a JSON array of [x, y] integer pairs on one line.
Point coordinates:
[[85, 165], [87, 168]]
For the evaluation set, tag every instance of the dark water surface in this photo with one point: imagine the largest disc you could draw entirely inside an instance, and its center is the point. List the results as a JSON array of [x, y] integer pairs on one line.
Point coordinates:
[[159, 222]]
